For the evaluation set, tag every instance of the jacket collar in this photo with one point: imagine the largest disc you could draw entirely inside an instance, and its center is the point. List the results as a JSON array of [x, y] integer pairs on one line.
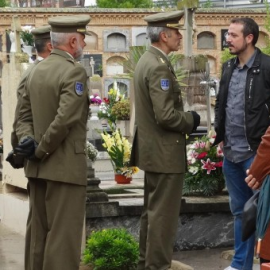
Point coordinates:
[[62, 53]]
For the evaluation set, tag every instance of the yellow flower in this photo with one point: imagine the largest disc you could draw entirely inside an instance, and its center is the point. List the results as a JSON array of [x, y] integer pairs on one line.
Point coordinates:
[[119, 150]]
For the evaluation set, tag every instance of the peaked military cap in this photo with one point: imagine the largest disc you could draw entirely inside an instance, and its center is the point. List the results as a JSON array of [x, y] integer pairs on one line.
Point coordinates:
[[70, 24], [165, 19], [42, 32]]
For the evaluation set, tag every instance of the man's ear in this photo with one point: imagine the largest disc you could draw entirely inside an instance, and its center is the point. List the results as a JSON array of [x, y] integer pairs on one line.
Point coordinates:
[[163, 36], [49, 46], [72, 41]]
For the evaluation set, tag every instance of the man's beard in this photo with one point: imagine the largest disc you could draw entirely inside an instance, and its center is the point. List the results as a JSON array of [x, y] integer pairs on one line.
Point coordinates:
[[79, 53], [237, 52]]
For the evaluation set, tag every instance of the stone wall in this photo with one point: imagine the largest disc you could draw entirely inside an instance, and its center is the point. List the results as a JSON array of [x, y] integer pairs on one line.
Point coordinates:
[[203, 222]]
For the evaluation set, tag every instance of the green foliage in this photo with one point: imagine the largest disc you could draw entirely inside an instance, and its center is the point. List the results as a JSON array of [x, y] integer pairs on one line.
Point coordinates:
[[266, 49], [27, 38], [111, 249], [121, 110], [3, 3], [135, 54], [124, 3], [226, 55], [207, 4]]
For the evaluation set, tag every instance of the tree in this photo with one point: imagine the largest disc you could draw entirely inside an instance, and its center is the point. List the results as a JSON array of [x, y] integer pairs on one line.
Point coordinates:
[[124, 3], [3, 3]]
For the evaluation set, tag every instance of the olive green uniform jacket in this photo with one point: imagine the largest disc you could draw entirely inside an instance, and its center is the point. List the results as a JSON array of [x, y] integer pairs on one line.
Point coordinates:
[[54, 112], [20, 91], [160, 122]]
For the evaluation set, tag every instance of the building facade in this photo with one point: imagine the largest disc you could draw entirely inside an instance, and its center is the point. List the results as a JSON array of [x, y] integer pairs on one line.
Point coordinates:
[[114, 31]]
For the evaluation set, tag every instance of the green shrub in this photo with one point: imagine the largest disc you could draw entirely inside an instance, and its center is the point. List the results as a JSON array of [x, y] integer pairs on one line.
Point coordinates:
[[121, 110], [111, 249]]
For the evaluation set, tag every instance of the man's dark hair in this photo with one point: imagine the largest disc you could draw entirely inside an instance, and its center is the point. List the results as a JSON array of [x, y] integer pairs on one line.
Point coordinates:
[[250, 27], [40, 44]]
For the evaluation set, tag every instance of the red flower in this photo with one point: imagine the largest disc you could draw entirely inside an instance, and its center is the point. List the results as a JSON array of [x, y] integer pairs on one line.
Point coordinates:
[[202, 155], [219, 164], [106, 100]]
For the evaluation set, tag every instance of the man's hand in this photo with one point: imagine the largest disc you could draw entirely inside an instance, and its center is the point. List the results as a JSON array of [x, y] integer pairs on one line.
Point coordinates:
[[26, 148], [252, 182], [16, 161], [196, 120]]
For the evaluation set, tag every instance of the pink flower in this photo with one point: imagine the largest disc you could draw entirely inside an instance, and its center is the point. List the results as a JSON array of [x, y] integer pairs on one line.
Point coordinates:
[[202, 144], [219, 152], [208, 165]]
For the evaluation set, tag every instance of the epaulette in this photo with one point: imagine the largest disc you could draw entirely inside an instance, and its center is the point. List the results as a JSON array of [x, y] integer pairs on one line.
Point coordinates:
[[161, 60]]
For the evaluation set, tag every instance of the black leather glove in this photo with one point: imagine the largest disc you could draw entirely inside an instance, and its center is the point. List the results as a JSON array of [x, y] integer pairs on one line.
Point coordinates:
[[26, 148], [197, 120], [16, 161]]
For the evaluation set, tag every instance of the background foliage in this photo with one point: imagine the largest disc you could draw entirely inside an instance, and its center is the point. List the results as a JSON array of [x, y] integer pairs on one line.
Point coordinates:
[[124, 3]]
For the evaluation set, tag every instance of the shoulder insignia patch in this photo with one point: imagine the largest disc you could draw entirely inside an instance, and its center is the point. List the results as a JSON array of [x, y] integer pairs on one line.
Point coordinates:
[[165, 84], [79, 88]]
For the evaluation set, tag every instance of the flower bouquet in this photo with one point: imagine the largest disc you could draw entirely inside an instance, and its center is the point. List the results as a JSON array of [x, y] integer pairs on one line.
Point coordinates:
[[105, 110], [204, 173], [119, 150], [95, 99], [91, 151]]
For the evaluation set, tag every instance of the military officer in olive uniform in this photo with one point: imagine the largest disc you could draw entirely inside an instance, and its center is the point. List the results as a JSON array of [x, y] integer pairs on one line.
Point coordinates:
[[51, 129], [158, 148], [43, 46]]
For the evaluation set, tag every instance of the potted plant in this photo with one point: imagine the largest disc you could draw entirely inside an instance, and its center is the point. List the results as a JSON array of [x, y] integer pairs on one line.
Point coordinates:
[[121, 111], [28, 39], [204, 173], [95, 101], [111, 249], [119, 150]]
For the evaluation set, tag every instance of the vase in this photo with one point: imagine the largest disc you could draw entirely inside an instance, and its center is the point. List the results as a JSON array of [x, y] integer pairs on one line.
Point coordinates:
[[122, 179], [28, 50], [124, 126], [94, 112]]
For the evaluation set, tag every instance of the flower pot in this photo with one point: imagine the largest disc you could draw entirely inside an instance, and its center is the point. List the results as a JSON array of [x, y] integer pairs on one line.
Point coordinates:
[[122, 179], [28, 50], [94, 112], [123, 125]]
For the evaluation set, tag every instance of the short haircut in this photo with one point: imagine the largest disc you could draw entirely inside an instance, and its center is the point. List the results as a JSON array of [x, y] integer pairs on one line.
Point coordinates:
[[40, 44], [249, 27], [60, 38], [154, 31]]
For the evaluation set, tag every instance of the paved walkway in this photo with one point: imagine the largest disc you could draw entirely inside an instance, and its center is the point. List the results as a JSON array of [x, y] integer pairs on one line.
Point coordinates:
[[12, 248], [12, 244]]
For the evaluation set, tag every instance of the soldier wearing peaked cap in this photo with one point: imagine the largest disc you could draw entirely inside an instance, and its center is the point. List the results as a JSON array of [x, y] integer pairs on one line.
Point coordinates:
[[52, 132], [43, 48], [159, 112]]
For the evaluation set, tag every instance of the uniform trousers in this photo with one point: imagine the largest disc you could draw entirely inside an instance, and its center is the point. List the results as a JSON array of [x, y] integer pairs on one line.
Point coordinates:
[[54, 225], [159, 220]]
